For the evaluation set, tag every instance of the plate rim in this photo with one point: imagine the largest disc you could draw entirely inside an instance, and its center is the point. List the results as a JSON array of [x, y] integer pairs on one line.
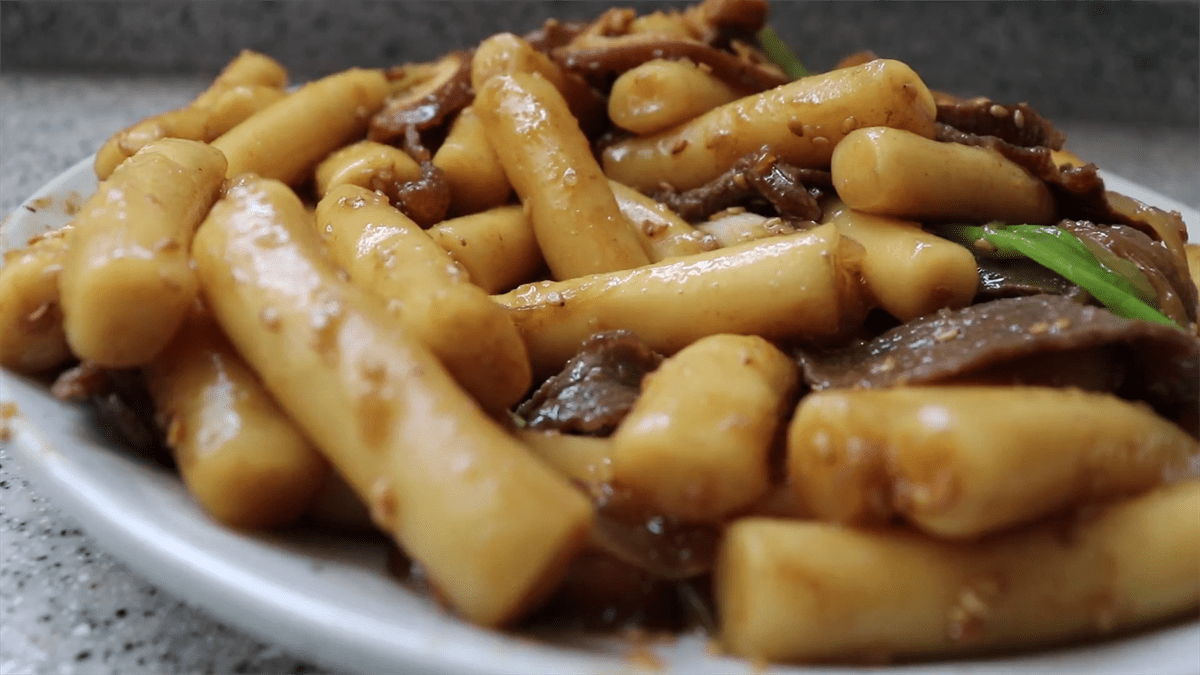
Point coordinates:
[[172, 563]]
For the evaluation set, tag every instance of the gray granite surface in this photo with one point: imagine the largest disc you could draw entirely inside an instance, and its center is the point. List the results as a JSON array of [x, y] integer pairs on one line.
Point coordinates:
[[1054, 53], [66, 606]]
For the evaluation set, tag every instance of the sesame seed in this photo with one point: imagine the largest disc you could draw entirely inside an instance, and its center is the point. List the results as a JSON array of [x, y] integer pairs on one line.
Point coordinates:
[[887, 366], [946, 335], [998, 110]]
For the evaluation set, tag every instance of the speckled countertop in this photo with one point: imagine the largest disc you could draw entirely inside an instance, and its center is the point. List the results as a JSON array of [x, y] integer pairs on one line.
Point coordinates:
[[67, 606]]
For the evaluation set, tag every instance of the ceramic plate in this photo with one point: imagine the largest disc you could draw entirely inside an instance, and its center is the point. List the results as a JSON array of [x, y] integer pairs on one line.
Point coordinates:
[[328, 599]]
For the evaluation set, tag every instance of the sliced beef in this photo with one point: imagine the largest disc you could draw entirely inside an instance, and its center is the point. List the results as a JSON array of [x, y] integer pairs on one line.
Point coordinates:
[[1037, 340], [599, 58], [632, 531], [1167, 227], [1014, 277], [724, 19], [554, 34], [121, 404], [1017, 124], [600, 592], [596, 389], [81, 381], [426, 199], [1170, 282], [1079, 191], [428, 94], [759, 177]]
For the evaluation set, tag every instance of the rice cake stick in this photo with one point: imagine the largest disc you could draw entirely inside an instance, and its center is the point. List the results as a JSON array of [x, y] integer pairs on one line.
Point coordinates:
[[389, 255], [961, 461], [493, 525], [790, 590], [496, 247], [696, 444], [893, 172], [31, 324], [287, 139], [240, 456], [127, 283], [909, 271], [804, 285], [801, 122], [249, 83], [549, 162]]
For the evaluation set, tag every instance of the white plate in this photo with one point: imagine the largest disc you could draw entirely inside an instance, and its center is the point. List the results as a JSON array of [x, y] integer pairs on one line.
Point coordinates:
[[327, 598]]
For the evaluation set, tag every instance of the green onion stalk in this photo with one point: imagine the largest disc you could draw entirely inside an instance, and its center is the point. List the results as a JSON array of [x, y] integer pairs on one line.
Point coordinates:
[[1058, 250]]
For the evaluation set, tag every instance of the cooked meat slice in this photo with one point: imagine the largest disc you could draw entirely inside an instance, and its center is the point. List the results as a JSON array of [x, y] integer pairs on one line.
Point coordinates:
[[1165, 226], [127, 413], [631, 531], [82, 381], [730, 16], [426, 199], [121, 403], [1079, 191], [597, 58], [1018, 124], [426, 94], [596, 388], [554, 34], [1013, 277], [1170, 281], [759, 175], [1146, 361], [600, 592]]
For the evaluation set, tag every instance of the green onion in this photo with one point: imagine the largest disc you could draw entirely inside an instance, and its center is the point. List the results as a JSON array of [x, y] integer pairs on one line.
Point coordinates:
[[1060, 251], [780, 54]]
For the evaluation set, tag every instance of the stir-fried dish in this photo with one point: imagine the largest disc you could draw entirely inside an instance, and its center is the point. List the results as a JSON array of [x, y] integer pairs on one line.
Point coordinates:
[[637, 323]]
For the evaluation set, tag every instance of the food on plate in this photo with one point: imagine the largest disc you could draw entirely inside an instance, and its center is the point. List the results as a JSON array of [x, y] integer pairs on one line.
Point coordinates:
[[663, 234], [635, 322], [367, 164], [660, 94], [801, 122], [326, 114], [32, 338], [243, 458], [893, 172], [814, 591], [696, 444], [493, 526], [476, 179], [907, 271], [386, 253], [549, 161], [955, 460], [496, 247], [800, 284], [250, 82], [127, 282]]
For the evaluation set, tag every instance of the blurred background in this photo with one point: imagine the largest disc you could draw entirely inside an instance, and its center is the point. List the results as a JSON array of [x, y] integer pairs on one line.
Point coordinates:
[[1130, 62], [1119, 77]]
